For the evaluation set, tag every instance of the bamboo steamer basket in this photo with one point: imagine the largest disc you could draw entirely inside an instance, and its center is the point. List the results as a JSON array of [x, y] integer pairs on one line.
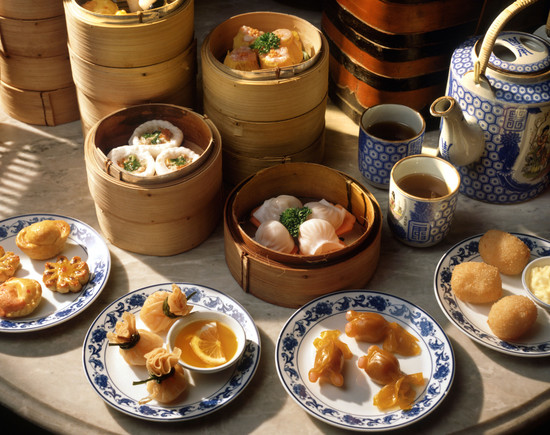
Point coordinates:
[[36, 73], [31, 9], [54, 107], [131, 40], [158, 219], [293, 280]]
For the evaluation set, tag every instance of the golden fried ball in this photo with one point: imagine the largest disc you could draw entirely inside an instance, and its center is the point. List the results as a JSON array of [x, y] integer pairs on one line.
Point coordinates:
[[477, 283], [505, 251], [512, 316]]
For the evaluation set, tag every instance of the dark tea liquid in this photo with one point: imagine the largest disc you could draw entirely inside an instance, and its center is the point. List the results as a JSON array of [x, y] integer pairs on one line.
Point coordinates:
[[391, 130], [423, 186]]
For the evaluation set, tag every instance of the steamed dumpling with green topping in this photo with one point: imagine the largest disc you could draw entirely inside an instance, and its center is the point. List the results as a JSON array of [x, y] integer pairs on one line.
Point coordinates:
[[133, 159], [157, 135], [173, 159]]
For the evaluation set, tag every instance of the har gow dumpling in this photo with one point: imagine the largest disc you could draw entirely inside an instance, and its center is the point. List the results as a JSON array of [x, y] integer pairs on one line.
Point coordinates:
[[272, 208], [133, 343], [157, 135], [173, 159], [318, 236], [327, 211], [162, 308], [274, 235], [134, 160]]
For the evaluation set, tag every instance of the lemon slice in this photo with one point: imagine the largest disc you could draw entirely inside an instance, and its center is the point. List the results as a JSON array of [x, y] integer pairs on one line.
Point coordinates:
[[207, 345]]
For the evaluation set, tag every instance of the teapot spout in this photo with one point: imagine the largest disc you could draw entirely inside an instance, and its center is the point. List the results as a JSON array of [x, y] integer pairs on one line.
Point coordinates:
[[461, 140]]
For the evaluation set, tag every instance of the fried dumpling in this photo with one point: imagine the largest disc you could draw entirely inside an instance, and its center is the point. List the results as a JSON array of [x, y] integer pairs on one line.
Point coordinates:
[[271, 208], [274, 235], [317, 236], [44, 239], [162, 308], [19, 297], [330, 356], [133, 159], [381, 365]]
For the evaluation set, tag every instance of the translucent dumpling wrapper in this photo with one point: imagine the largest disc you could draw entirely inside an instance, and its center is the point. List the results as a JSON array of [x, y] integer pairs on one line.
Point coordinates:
[[272, 208], [157, 135], [133, 159], [318, 236], [327, 211], [274, 235], [173, 159]]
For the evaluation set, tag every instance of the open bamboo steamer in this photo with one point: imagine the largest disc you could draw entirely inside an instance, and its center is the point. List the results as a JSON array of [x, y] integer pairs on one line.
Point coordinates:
[[293, 280], [164, 218]]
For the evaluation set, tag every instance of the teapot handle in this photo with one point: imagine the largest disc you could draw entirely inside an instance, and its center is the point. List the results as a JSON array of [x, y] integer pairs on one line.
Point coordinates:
[[490, 37]]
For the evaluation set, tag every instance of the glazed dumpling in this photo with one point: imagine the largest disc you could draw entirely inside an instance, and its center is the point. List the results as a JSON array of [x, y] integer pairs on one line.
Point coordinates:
[[272, 208], [44, 239], [167, 378], [19, 297], [162, 308], [327, 211], [318, 236], [274, 235], [133, 343], [157, 135], [173, 159], [134, 160]]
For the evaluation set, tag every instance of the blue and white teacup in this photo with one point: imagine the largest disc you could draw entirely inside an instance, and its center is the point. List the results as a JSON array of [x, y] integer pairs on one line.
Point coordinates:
[[423, 194], [387, 133]]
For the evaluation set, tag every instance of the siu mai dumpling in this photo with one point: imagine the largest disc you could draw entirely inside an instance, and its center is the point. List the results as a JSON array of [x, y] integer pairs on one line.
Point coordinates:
[[162, 308], [276, 58], [242, 59], [246, 36], [271, 208], [134, 160], [157, 135], [291, 40], [317, 237], [174, 159], [274, 235]]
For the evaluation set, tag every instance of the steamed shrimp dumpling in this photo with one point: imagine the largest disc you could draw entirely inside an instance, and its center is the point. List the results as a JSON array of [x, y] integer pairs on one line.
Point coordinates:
[[318, 236], [272, 208], [274, 235], [327, 211]]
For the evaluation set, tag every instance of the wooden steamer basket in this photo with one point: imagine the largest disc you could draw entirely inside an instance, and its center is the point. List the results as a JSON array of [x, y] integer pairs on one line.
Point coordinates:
[[293, 280], [124, 60], [268, 116], [163, 217], [36, 83]]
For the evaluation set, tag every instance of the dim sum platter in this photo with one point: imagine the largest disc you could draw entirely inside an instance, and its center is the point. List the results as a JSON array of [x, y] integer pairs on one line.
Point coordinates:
[[56, 308], [471, 319], [350, 406], [112, 378]]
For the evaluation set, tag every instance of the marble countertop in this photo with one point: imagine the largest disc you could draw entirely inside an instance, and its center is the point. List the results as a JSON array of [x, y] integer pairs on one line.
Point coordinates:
[[42, 170]]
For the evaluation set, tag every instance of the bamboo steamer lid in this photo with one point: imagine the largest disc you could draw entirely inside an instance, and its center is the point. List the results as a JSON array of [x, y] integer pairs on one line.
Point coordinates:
[[155, 219], [292, 280], [131, 40], [31, 9]]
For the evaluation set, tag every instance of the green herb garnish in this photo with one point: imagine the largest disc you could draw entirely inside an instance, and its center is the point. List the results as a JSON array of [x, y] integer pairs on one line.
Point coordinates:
[[166, 307], [132, 163], [157, 379], [266, 42], [178, 161], [134, 339], [154, 136], [293, 217]]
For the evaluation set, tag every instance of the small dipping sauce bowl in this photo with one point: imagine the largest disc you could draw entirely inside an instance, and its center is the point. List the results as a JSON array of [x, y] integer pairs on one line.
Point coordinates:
[[527, 277], [203, 317]]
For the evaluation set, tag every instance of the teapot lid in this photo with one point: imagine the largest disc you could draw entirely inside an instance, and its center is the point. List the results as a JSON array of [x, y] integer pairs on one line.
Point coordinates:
[[520, 53]]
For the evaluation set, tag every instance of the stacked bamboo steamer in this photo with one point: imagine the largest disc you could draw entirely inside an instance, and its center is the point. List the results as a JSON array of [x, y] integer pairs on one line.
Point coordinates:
[[123, 60], [36, 85], [291, 280], [270, 116]]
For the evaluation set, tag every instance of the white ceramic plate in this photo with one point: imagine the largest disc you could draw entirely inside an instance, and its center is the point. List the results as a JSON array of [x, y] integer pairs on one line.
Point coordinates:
[[351, 406], [471, 319], [56, 308], [112, 378]]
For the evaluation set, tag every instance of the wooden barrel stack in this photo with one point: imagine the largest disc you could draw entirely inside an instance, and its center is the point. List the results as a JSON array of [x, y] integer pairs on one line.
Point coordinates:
[[36, 85]]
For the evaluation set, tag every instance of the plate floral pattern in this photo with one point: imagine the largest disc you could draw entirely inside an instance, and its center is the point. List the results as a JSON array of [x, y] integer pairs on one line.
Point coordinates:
[[111, 377], [350, 407], [471, 319], [56, 308]]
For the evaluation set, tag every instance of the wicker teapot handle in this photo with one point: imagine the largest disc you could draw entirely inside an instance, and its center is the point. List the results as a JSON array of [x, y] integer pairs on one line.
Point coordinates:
[[492, 34]]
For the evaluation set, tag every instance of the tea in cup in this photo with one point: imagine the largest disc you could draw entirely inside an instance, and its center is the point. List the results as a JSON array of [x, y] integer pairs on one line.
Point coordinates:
[[423, 194], [387, 133]]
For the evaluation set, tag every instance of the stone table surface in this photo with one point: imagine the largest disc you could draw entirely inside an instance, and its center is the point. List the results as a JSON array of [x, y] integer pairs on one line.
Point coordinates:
[[42, 170]]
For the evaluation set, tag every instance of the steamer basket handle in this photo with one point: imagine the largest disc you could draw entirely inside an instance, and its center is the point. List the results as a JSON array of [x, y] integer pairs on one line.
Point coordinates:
[[490, 37]]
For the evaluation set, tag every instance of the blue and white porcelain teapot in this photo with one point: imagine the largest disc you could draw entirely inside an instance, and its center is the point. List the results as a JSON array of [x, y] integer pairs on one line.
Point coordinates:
[[496, 114]]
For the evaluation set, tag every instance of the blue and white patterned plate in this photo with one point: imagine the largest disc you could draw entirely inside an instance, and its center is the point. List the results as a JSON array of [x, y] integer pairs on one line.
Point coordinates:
[[471, 319], [56, 308], [350, 406], [112, 378]]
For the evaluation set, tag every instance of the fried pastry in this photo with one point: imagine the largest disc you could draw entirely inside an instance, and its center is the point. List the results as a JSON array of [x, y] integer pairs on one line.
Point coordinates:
[[477, 283], [9, 263], [44, 239], [504, 251], [329, 358], [19, 297], [66, 276], [512, 316]]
